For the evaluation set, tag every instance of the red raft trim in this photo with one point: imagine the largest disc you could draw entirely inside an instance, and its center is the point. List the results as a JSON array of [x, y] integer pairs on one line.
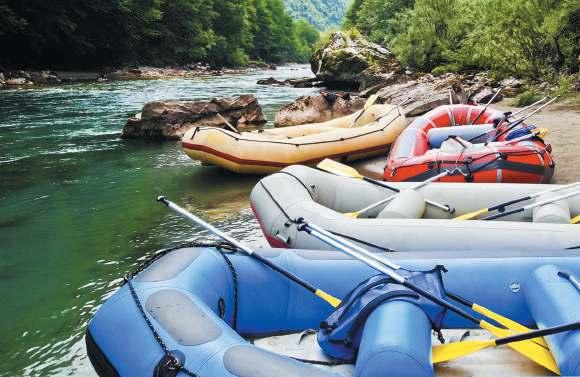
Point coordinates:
[[527, 161], [243, 161]]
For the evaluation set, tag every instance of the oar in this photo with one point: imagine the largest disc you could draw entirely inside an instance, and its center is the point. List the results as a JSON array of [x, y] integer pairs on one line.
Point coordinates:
[[230, 126], [451, 116], [390, 198], [504, 321], [519, 121], [529, 349], [455, 350], [333, 301], [528, 107], [486, 106], [501, 206], [371, 101], [575, 220], [342, 170], [571, 278], [533, 205]]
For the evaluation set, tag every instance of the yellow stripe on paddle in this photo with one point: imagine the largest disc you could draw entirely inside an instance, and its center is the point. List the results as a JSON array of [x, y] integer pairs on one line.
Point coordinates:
[[333, 301], [472, 215], [575, 220], [528, 348], [507, 323]]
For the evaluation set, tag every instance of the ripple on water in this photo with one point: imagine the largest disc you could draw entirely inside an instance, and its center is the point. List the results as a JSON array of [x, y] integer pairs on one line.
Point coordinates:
[[77, 210]]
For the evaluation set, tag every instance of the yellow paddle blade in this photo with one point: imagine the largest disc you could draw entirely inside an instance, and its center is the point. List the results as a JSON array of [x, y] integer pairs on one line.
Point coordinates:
[[337, 168], [455, 350], [575, 220], [472, 215], [507, 323], [328, 298], [371, 101], [353, 215], [529, 349], [542, 132]]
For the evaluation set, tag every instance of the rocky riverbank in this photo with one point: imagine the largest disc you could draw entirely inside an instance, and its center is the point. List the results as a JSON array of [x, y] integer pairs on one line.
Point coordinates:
[[21, 78]]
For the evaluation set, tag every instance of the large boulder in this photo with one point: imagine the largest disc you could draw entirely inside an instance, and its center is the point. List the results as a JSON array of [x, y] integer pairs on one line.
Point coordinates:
[[170, 120], [424, 94], [318, 108], [354, 62]]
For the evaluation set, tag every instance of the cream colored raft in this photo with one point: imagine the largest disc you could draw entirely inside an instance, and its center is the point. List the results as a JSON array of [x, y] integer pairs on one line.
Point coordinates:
[[408, 223], [269, 150]]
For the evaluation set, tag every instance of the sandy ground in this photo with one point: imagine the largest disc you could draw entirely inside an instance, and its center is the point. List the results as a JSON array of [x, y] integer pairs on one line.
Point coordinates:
[[563, 123]]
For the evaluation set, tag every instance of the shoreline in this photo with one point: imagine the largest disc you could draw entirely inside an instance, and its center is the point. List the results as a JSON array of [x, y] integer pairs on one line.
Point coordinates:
[[47, 78]]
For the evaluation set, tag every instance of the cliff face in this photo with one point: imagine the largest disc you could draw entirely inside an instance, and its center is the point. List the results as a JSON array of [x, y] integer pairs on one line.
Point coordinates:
[[321, 13]]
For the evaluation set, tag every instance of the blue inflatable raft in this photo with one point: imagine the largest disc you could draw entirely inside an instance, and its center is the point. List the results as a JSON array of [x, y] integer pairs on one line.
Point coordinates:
[[202, 303]]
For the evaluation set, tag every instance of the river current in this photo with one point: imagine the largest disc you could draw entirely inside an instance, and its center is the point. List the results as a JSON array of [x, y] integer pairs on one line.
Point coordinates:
[[77, 207]]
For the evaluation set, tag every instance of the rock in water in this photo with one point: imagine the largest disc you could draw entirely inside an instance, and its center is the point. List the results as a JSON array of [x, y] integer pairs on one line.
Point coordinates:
[[354, 62], [318, 108], [170, 120]]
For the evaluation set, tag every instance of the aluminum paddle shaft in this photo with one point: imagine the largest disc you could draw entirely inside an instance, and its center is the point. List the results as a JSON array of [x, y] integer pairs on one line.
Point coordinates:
[[333, 301], [414, 187], [533, 205], [382, 265]]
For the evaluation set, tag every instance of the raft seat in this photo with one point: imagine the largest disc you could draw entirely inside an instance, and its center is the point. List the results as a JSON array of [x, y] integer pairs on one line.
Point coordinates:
[[554, 213]]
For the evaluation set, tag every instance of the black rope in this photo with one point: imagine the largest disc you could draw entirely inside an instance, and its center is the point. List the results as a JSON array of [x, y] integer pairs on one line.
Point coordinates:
[[262, 141], [296, 178], [235, 287], [293, 221], [321, 362], [172, 363]]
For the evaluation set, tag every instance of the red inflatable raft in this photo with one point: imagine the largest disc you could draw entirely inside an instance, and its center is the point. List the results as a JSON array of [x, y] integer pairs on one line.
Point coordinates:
[[446, 139]]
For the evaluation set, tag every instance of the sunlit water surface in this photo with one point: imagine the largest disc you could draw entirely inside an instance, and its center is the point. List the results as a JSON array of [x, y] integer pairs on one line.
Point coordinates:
[[77, 206]]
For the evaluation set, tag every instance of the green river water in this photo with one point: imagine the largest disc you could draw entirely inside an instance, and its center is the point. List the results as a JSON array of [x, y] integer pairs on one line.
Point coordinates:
[[77, 207]]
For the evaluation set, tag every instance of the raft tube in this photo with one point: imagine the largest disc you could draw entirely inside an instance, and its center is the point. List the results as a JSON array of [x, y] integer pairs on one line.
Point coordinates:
[[269, 150], [323, 199], [440, 140], [203, 306], [554, 300]]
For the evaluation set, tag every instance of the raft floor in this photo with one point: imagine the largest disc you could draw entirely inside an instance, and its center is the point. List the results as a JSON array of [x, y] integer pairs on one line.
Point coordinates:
[[499, 361], [371, 167]]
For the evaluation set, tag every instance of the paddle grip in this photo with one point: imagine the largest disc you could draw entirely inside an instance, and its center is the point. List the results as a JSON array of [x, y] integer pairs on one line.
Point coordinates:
[[504, 214], [538, 333], [501, 207]]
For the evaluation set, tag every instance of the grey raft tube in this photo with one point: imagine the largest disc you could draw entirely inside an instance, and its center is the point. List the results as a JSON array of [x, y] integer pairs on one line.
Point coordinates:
[[323, 199]]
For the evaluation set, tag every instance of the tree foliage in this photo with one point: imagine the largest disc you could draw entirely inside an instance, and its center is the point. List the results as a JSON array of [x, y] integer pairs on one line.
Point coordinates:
[[97, 33], [516, 37], [323, 14]]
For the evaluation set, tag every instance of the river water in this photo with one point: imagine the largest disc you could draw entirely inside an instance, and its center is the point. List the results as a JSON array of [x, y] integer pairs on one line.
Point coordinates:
[[77, 207]]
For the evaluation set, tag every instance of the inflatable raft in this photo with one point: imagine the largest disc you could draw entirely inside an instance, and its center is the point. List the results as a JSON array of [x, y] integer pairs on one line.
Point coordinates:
[[201, 304], [407, 223], [445, 138], [268, 150]]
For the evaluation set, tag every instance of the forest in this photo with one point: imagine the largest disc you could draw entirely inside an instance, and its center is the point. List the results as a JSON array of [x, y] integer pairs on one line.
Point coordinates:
[[324, 14], [73, 34], [534, 38]]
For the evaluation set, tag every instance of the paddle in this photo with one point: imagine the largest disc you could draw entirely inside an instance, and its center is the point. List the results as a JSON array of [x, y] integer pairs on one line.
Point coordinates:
[[455, 350], [230, 126], [501, 206], [390, 198], [533, 351], [333, 301], [486, 106], [504, 321], [575, 220], [371, 101], [571, 278], [342, 170], [533, 205], [451, 115], [517, 122]]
